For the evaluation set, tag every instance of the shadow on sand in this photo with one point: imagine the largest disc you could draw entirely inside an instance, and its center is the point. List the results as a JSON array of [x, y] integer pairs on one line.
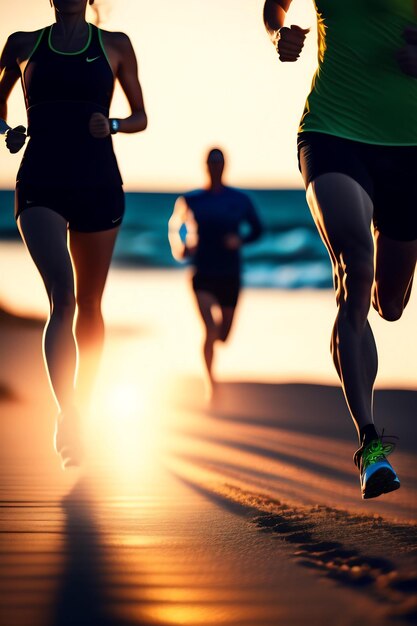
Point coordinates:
[[84, 594], [262, 448], [304, 408]]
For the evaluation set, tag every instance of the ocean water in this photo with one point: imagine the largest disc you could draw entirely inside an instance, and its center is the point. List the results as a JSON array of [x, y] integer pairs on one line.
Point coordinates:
[[290, 254]]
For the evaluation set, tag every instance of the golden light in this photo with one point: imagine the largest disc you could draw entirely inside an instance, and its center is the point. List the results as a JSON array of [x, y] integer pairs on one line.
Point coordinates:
[[124, 401]]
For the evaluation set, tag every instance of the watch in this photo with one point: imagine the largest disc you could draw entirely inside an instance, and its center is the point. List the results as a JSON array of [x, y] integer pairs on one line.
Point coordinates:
[[114, 126]]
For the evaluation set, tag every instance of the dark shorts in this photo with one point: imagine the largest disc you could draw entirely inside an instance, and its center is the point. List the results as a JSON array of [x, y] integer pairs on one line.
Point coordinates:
[[86, 210], [225, 289], [387, 173]]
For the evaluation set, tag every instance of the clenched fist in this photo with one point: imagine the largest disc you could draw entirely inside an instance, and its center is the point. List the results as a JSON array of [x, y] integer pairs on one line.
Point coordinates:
[[99, 126], [232, 242], [15, 139], [291, 42]]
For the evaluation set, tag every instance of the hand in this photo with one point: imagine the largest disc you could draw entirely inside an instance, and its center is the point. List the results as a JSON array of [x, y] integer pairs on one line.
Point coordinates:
[[291, 42], [232, 242], [407, 56], [99, 126], [189, 251], [15, 139]]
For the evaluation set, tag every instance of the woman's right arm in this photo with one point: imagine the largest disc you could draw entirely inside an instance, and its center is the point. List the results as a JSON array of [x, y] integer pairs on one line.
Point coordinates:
[[274, 15], [288, 41], [180, 249], [9, 75]]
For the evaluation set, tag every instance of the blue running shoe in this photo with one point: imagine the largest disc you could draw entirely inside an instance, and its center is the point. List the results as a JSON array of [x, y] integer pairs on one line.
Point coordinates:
[[376, 473]]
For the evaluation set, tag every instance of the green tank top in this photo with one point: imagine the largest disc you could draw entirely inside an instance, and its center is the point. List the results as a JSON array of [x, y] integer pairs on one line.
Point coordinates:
[[359, 91]]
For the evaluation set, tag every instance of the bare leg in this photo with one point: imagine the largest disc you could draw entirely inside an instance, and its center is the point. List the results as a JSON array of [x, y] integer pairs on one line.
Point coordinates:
[[91, 254], [45, 235], [395, 266], [343, 213], [206, 302], [228, 314]]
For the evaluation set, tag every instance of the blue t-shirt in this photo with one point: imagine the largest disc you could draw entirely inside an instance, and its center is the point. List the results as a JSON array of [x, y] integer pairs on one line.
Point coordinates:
[[217, 215]]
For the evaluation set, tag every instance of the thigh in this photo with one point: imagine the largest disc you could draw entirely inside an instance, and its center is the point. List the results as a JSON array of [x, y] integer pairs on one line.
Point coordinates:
[[228, 314], [342, 211], [91, 254], [45, 235], [394, 272], [207, 303], [394, 171]]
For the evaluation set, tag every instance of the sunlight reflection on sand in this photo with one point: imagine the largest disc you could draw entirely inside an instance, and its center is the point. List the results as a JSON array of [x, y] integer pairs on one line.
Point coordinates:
[[279, 335]]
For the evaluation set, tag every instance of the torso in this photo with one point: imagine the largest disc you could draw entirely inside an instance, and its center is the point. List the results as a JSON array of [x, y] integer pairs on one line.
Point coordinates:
[[25, 43], [217, 215], [62, 90], [359, 91]]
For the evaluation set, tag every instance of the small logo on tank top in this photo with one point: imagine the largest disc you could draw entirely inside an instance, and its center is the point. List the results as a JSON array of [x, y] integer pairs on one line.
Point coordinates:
[[91, 60]]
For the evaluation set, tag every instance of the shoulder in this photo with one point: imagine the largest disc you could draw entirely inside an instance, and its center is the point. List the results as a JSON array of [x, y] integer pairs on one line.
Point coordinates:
[[194, 197], [238, 194], [117, 40], [22, 38], [194, 194], [20, 44]]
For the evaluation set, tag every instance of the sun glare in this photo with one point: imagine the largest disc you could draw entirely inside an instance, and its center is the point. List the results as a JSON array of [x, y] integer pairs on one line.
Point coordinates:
[[124, 401]]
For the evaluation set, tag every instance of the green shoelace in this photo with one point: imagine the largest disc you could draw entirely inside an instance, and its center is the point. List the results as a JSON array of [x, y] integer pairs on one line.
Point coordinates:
[[375, 451]]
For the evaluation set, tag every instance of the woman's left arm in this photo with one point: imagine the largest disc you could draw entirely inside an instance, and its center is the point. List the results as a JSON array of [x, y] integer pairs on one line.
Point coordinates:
[[125, 67]]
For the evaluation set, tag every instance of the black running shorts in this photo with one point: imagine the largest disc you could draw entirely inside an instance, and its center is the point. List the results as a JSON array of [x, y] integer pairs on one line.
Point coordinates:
[[225, 289], [387, 173], [86, 210]]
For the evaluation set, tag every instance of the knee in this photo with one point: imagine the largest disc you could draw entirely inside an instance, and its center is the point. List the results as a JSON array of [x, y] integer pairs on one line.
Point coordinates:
[[88, 305], [62, 299], [223, 334], [358, 278], [389, 311], [212, 334]]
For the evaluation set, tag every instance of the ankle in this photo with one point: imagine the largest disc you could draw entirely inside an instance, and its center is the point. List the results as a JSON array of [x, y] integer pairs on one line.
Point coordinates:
[[367, 434]]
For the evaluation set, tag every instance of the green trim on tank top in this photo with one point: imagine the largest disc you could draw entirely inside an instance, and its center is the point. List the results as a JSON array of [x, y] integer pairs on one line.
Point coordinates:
[[70, 53], [393, 144], [38, 41], [100, 38]]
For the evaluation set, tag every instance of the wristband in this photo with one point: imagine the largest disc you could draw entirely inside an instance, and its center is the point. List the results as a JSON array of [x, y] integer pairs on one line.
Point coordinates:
[[114, 126], [4, 127]]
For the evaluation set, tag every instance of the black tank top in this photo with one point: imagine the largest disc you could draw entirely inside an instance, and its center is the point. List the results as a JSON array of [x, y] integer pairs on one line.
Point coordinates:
[[62, 90]]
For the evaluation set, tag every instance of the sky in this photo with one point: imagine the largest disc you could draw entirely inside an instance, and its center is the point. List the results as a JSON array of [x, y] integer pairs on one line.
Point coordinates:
[[210, 76]]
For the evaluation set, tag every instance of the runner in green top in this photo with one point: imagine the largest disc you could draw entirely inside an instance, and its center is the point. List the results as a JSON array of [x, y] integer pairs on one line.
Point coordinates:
[[359, 91], [357, 149]]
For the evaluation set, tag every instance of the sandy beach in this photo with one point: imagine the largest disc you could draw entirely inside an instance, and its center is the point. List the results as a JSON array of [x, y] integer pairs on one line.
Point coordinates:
[[244, 511]]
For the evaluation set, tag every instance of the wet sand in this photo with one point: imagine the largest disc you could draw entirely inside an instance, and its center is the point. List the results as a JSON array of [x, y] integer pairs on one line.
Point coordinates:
[[245, 511]]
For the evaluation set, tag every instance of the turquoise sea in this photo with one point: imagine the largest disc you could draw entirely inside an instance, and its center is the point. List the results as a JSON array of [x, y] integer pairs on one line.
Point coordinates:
[[290, 255]]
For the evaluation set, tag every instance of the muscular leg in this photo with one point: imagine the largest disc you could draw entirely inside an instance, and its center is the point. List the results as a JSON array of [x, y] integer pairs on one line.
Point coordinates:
[[45, 235], [206, 302], [343, 212], [228, 313], [91, 254], [395, 266]]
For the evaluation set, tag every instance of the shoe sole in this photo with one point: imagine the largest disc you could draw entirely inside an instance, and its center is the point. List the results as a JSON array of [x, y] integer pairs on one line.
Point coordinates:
[[383, 481]]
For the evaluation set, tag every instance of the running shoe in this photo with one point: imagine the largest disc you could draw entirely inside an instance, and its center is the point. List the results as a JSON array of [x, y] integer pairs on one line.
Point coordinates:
[[67, 439], [377, 475]]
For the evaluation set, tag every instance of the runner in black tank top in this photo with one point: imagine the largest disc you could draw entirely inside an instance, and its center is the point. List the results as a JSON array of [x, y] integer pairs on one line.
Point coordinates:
[[69, 180], [84, 183]]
